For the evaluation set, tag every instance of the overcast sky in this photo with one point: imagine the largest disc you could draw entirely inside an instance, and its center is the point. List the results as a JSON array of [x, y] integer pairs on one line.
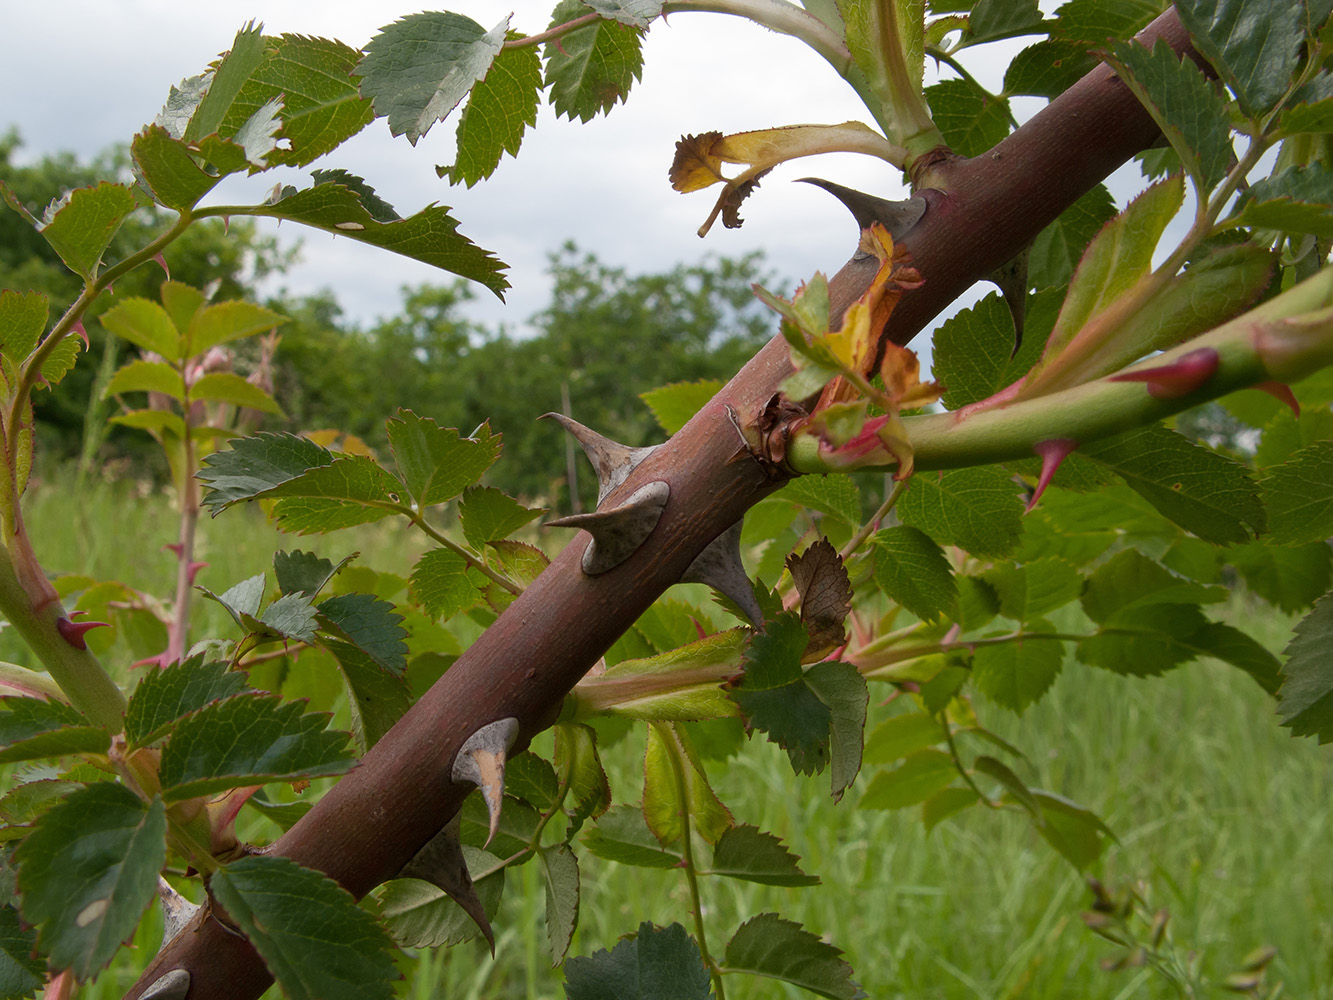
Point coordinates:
[[81, 75]]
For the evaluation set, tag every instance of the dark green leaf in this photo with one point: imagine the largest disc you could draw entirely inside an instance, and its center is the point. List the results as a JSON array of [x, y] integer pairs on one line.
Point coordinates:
[[1291, 578], [920, 776], [1076, 832], [417, 69], [1034, 589], [971, 119], [436, 463], [170, 171], [420, 915], [1255, 47], [316, 941], [940, 690], [775, 698], [902, 735], [370, 624], [1298, 200], [441, 586], [304, 573], [488, 514], [653, 964], [28, 800], [1047, 68], [88, 871], [913, 571], [232, 70], [589, 70], [1146, 641], [843, 691], [283, 814], [561, 869], [31, 728], [673, 405], [974, 349], [378, 697], [836, 495], [503, 105], [1305, 701], [21, 971], [1093, 22], [1299, 496], [1016, 674], [255, 465], [977, 509], [995, 19], [977, 601], [518, 826], [248, 740], [291, 616], [1058, 248], [1130, 581], [769, 946], [1235, 647], [622, 835], [83, 224], [165, 695], [746, 852], [532, 779], [1010, 782]]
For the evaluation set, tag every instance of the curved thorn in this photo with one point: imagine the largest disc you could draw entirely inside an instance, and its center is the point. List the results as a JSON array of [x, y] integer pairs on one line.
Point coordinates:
[[1282, 393], [719, 566], [1011, 278], [1052, 453], [617, 533], [612, 460], [173, 986], [481, 762], [898, 217], [442, 863]]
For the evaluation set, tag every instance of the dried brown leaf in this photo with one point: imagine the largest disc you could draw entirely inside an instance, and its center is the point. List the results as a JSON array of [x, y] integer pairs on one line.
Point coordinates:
[[826, 597]]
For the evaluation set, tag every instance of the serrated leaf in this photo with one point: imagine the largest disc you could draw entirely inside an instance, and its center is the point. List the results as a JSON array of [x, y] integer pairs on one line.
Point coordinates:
[[22, 322], [651, 964], [974, 349], [166, 165], [836, 495], [377, 697], [561, 869], [27, 801], [1201, 490], [21, 971], [635, 13], [215, 96], [1233, 646], [920, 776], [769, 946], [305, 573], [174, 691], [842, 689], [82, 228], [145, 324], [621, 834], [421, 915], [775, 698], [291, 616], [522, 562], [1047, 68], [977, 509], [673, 405], [147, 376], [441, 585], [1077, 833], [1058, 248], [60, 362], [591, 69], [87, 872], [228, 387], [430, 236], [487, 514], [248, 740], [419, 68], [518, 826], [224, 322], [826, 594], [255, 465], [913, 571], [370, 624], [31, 729], [1291, 578], [1016, 674], [1299, 496], [502, 107], [1298, 200], [746, 852], [670, 761], [1093, 22], [971, 119], [436, 463], [1034, 589], [580, 765], [316, 941], [1305, 700], [994, 19], [1256, 49], [1130, 581]]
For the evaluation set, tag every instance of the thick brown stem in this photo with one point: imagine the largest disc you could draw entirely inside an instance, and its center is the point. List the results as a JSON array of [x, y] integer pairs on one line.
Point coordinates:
[[366, 828]]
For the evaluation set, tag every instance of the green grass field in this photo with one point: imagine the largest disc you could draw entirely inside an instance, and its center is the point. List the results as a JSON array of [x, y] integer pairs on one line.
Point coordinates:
[[1218, 811]]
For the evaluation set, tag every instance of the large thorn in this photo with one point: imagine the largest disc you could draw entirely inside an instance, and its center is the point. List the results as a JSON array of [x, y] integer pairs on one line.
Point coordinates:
[[898, 217], [612, 460], [177, 911], [1011, 278], [173, 986], [442, 864], [719, 565], [617, 533], [481, 762]]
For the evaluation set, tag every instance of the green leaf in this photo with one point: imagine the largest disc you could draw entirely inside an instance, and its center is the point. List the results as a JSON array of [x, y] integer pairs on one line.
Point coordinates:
[[532, 778], [1299, 496], [622, 834], [420, 915], [441, 585], [919, 777], [1058, 248], [22, 973], [705, 700], [145, 324], [378, 698], [291, 616], [665, 802], [488, 514], [61, 360], [1035, 589], [1047, 68], [942, 805], [316, 941], [1093, 22], [994, 19], [836, 495], [1233, 646], [417, 69], [561, 869], [87, 872], [578, 762], [31, 729], [635, 13], [913, 571], [1148, 641], [169, 169], [673, 405], [974, 349], [522, 562], [248, 740], [174, 691], [843, 691], [369, 624], [1291, 578], [1256, 49], [436, 463], [1130, 581], [940, 690], [1316, 116], [1298, 200], [1010, 782], [351, 489], [22, 322], [228, 387], [1016, 674], [652, 964], [224, 322], [230, 74], [256, 465], [977, 509], [902, 735], [82, 225], [430, 236], [589, 70], [971, 119], [156, 422], [1184, 104], [1202, 491], [746, 852], [1077, 833], [29, 800], [502, 107], [147, 376], [1305, 700], [769, 946], [304, 573]]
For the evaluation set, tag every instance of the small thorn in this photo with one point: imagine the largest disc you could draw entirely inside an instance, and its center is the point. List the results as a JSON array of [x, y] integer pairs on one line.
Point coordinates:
[[481, 762], [73, 632], [173, 986], [1179, 378], [719, 566], [163, 261], [1282, 393], [175, 547], [898, 217], [617, 533], [83, 333], [193, 570], [1052, 453], [612, 460], [177, 911], [226, 224], [442, 864]]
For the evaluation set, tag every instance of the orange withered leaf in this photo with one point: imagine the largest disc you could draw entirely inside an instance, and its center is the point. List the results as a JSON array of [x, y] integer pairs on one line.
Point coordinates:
[[696, 164]]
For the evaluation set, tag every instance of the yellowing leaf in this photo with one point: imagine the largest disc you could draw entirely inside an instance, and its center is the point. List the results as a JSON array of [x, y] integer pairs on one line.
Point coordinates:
[[696, 166]]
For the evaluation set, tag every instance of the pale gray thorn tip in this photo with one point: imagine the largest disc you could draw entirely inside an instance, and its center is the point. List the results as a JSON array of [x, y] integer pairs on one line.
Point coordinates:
[[443, 864], [177, 911], [898, 217], [481, 762], [617, 533], [719, 565], [173, 986], [612, 460]]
